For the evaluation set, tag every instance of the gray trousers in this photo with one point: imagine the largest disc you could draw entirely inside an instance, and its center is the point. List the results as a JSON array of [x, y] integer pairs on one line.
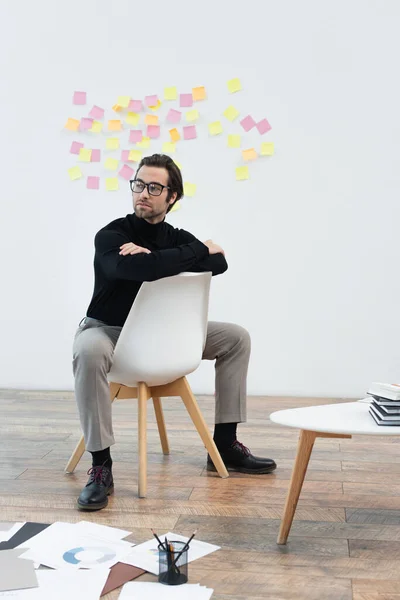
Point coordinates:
[[94, 343]]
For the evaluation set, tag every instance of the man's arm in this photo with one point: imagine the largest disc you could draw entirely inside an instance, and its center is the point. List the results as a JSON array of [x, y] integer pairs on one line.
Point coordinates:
[[145, 267], [216, 263]]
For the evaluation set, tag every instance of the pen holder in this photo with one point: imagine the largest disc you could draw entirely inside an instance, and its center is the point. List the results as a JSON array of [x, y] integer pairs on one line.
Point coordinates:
[[173, 563]]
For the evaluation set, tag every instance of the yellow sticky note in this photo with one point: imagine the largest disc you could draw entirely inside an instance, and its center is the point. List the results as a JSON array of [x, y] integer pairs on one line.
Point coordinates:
[[156, 106], [178, 164], [112, 143], [189, 189], [176, 206], [192, 115], [135, 155], [114, 125], [132, 118], [112, 184], [123, 101], [151, 119], [234, 85], [85, 154], [233, 141], [145, 143], [168, 148], [267, 149], [231, 113], [249, 154], [215, 128], [242, 173], [75, 173], [174, 134], [96, 127], [111, 164], [170, 93], [72, 124], [199, 93], [117, 107]]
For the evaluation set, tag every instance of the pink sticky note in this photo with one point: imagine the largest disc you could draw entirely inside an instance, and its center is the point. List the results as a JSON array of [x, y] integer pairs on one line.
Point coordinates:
[[125, 155], [263, 126], [151, 100], [174, 116], [95, 156], [248, 123], [185, 100], [189, 132], [93, 183], [136, 106], [153, 131], [96, 112], [79, 98], [126, 172], [135, 135], [75, 147], [85, 123]]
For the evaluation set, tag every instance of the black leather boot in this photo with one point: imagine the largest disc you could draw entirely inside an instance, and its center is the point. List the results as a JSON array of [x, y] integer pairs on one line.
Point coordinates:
[[239, 458], [100, 485]]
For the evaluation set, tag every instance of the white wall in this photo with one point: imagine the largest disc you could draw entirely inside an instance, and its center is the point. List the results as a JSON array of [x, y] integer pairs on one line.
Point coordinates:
[[311, 240]]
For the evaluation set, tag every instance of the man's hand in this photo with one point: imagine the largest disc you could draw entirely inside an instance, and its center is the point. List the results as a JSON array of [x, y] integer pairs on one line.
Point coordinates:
[[132, 248], [214, 248]]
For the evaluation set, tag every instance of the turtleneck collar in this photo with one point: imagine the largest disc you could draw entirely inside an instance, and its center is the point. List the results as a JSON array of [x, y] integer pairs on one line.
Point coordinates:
[[148, 230]]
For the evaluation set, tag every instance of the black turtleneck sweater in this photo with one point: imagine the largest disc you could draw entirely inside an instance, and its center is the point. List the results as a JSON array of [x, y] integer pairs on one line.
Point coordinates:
[[118, 278]]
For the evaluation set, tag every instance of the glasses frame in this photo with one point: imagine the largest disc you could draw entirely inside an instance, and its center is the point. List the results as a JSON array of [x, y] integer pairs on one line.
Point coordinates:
[[146, 185]]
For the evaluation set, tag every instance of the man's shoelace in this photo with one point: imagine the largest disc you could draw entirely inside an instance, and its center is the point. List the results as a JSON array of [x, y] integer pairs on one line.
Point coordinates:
[[242, 447], [98, 474]]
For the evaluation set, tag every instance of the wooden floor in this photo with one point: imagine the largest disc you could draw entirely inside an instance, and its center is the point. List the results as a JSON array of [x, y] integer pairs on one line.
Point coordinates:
[[345, 540]]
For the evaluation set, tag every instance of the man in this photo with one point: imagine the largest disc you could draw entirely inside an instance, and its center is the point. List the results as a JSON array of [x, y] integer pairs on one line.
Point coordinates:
[[143, 247]]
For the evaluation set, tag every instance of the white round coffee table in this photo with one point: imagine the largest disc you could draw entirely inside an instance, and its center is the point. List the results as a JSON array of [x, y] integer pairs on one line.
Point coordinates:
[[340, 420]]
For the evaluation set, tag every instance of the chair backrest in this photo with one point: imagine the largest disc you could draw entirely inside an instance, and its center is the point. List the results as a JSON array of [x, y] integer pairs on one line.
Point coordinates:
[[164, 335]]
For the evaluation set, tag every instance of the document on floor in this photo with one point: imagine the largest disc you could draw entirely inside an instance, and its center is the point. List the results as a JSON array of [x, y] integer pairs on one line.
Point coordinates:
[[16, 573], [7, 530], [159, 591], [145, 555]]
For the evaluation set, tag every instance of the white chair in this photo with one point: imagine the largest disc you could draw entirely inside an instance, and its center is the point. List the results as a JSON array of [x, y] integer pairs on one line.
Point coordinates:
[[161, 342]]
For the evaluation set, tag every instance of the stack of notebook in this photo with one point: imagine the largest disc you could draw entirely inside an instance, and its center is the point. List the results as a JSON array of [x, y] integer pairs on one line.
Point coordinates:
[[385, 405]]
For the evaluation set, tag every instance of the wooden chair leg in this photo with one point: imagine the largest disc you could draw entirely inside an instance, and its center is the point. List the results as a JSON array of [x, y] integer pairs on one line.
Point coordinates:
[[304, 449], [75, 456], [198, 420], [143, 396], [161, 424]]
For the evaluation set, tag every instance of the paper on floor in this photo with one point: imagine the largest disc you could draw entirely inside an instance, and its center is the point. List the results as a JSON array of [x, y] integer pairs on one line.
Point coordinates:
[[7, 530], [16, 573]]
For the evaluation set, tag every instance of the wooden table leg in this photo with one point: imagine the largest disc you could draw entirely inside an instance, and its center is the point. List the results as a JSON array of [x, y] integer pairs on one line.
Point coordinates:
[[304, 448]]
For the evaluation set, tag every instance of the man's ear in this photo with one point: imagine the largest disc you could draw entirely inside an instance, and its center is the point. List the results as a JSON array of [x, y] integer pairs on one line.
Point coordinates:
[[172, 199]]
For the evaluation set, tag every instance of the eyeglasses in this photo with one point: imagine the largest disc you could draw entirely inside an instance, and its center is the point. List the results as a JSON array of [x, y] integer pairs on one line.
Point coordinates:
[[154, 189]]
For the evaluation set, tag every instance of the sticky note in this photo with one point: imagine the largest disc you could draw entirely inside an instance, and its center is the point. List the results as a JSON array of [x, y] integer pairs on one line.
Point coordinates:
[[234, 85], [117, 108], [248, 123], [242, 173], [151, 119], [75, 173], [151, 100], [153, 131], [93, 183], [145, 143], [192, 115], [215, 128], [249, 154], [178, 164], [185, 100], [156, 106], [199, 93], [132, 118], [112, 143], [231, 113], [170, 93], [233, 141], [95, 156], [96, 127], [168, 148], [72, 124], [112, 184], [96, 112], [126, 172], [79, 98], [263, 126], [189, 189], [135, 135], [174, 116], [175, 206], [85, 154], [125, 155], [135, 155], [267, 149], [189, 132], [135, 106], [114, 125], [75, 147], [111, 164], [123, 101], [174, 134], [85, 124]]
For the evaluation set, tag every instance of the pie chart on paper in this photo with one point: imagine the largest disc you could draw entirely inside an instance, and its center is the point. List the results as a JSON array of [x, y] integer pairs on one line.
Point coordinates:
[[88, 556]]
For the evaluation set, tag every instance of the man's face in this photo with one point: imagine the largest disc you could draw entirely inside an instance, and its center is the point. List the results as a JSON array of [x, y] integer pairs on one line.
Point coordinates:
[[148, 206]]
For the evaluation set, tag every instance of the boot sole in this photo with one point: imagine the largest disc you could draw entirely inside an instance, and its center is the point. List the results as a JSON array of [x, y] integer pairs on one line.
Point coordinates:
[[264, 471], [97, 506]]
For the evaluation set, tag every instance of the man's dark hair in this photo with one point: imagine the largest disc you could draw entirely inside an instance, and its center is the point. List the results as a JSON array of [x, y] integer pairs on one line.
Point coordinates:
[[163, 161]]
